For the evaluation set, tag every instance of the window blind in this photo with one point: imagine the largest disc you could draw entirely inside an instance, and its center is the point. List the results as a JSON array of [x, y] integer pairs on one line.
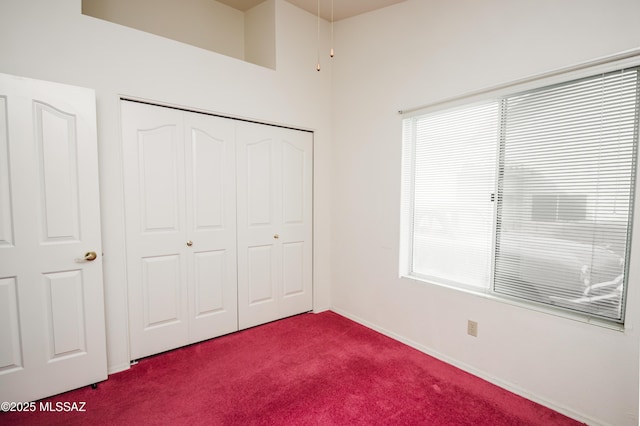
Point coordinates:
[[565, 190], [454, 165]]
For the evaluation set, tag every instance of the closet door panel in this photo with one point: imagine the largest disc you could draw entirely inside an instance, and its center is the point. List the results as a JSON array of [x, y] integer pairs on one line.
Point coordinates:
[[161, 290], [155, 217], [274, 223], [293, 185], [208, 157], [259, 269], [260, 172], [293, 269], [297, 216], [158, 176], [209, 282], [260, 279], [211, 225]]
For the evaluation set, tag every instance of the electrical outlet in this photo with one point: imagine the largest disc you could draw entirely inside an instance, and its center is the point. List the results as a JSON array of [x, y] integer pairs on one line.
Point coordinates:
[[472, 328]]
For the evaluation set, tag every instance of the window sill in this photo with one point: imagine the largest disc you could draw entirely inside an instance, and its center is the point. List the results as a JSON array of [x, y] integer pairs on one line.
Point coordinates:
[[524, 304]]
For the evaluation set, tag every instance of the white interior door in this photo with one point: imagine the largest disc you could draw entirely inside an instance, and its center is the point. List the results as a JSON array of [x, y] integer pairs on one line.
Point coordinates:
[[179, 171], [52, 331], [274, 175]]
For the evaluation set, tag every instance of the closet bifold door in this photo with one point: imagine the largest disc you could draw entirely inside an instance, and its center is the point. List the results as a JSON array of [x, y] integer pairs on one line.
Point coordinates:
[[211, 226], [180, 227], [274, 195], [155, 200]]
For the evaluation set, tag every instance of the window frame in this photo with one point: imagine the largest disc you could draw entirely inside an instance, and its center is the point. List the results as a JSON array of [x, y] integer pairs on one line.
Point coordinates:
[[620, 61]]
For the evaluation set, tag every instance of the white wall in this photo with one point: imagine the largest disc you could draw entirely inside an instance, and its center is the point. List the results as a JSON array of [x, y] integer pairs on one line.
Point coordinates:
[[419, 52], [259, 34], [52, 40], [203, 23]]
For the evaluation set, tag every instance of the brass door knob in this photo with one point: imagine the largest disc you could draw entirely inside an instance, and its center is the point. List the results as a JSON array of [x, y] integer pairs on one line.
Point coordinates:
[[276, 236], [189, 243], [90, 256]]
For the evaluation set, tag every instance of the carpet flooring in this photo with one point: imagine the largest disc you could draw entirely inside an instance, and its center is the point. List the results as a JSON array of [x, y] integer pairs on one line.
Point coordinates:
[[311, 369]]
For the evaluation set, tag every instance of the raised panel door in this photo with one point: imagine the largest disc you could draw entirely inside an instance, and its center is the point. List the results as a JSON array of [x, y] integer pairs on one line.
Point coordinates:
[[155, 217], [52, 331], [296, 229], [211, 225], [181, 226], [274, 172]]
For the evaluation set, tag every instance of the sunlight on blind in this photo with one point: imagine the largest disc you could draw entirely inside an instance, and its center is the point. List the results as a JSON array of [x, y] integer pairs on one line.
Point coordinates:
[[454, 178], [566, 176]]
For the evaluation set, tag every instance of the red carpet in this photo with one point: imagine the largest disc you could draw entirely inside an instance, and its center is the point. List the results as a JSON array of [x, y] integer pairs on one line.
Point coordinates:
[[306, 370]]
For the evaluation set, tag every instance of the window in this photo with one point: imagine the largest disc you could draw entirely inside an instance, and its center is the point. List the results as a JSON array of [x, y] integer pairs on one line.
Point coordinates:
[[528, 195]]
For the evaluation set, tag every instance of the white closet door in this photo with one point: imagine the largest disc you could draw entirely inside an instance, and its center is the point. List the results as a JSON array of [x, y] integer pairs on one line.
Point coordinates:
[[155, 212], [52, 331], [211, 225], [274, 173], [181, 232]]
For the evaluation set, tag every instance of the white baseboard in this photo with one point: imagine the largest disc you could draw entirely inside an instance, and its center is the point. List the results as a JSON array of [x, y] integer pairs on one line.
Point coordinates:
[[471, 370]]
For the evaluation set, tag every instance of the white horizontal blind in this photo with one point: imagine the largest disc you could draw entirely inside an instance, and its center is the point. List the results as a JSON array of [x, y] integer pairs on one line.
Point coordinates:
[[566, 182], [454, 155]]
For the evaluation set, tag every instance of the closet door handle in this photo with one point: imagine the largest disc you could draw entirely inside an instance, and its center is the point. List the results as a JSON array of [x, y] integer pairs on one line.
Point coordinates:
[[189, 243], [276, 236]]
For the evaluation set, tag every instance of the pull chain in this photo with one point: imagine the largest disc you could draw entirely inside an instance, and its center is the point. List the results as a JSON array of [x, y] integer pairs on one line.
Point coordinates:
[[331, 52], [318, 53]]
